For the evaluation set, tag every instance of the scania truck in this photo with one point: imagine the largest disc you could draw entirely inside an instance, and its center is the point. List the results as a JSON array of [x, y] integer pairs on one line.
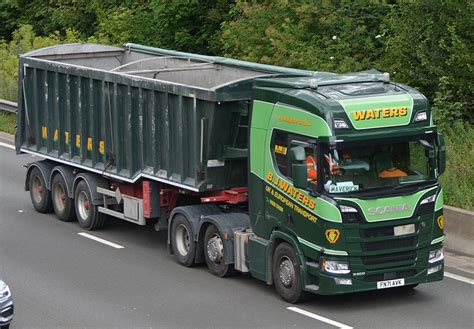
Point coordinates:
[[314, 182]]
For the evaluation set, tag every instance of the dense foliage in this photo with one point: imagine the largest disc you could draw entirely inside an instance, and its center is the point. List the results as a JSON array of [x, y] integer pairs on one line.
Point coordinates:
[[427, 44]]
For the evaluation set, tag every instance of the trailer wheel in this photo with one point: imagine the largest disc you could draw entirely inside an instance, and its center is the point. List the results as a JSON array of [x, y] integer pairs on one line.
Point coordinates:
[[214, 253], [182, 241], [88, 215], [62, 204], [286, 274], [40, 195]]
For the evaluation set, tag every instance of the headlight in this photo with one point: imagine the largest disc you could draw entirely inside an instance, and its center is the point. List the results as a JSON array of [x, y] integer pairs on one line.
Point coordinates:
[[428, 199], [421, 116], [436, 256], [347, 209], [4, 291], [349, 214], [335, 267], [340, 124], [435, 269]]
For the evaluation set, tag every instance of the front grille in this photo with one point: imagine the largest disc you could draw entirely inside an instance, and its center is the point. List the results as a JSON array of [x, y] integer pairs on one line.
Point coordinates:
[[7, 312], [389, 244], [425, 209], [398, 257], [378, 231], [389, 276]]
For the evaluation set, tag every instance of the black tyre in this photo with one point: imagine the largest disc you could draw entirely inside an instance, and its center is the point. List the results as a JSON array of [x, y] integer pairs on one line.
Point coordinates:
[[182, 241], [286, 274], [62, 204], [88, 215], [40, 195], [214, 253], [7, 326]]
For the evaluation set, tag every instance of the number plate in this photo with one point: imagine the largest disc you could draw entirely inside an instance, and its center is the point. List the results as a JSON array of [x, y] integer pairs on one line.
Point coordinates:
[[390, 283], [404, 229]]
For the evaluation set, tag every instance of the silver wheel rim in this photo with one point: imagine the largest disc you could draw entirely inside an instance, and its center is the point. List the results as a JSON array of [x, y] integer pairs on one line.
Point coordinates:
[[83, 205], [215, 249], [37, 190], [59, 197], [287, 272], [183, 242]]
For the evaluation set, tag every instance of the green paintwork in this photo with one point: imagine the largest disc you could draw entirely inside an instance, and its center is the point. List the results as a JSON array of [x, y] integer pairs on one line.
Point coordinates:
[[261, 112], [438, 240], [257, 151], [328, 211], [321, 249], [410, 200], [439, 201], [304, 123], [361, 105]]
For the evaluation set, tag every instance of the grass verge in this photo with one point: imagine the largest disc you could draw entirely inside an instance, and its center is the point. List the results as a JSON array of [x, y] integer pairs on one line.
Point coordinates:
[[7, 122]]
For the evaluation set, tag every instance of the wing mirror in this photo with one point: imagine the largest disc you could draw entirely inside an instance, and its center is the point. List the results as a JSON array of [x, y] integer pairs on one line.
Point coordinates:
[[298, 167], [441, 154]]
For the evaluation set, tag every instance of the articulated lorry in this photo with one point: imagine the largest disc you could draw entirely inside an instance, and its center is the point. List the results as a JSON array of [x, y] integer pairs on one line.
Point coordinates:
[[311, 181]]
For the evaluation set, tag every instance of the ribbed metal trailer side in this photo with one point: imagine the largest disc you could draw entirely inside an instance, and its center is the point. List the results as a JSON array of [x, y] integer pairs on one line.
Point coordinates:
[[127, 126]]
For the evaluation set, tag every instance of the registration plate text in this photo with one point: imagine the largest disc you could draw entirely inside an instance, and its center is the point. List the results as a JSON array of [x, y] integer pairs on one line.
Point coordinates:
[[390, 283]]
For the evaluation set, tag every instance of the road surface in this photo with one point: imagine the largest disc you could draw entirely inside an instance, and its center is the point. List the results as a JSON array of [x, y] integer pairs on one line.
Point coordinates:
[[61, 279]]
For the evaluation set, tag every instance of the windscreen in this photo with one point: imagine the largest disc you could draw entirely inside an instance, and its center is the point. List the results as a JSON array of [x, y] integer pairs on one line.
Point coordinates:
[[358, 167]]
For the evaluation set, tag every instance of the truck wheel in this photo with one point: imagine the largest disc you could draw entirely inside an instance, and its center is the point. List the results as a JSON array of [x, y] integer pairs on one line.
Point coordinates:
[[40, 195], [88, 215], [62, 204], [214, 253], [182, 241], [286, 274]]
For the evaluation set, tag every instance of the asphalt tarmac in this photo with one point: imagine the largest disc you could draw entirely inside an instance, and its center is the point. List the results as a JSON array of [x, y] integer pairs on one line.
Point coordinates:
[[60, 279]]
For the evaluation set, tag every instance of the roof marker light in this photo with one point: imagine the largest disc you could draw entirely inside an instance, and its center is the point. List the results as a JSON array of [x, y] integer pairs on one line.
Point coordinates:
[[313, 84]]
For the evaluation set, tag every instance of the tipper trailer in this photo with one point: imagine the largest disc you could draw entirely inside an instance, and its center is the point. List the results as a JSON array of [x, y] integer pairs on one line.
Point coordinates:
[[311, 181]]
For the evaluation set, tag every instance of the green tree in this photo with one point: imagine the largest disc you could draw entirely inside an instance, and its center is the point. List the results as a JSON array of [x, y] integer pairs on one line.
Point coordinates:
[[23, 40], [429, 46], [336, 36], [9, 16]]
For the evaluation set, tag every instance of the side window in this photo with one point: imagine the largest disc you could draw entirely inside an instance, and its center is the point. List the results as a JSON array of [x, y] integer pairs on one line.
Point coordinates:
[[282, 144], [280, 151]]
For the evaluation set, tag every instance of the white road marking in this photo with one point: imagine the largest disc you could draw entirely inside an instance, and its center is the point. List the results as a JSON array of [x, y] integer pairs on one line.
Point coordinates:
[[319, 318], [92, 237], [10, 146], [459, 278]]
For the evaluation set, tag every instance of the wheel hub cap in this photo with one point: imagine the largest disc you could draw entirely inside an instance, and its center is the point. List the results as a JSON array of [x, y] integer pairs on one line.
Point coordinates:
[[83, 205], [59, 197], [37, 190], [183, 242], [287, 272], [215, 249]]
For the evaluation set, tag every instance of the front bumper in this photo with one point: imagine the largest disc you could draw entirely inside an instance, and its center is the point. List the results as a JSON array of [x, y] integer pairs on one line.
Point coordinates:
[[6, 312], [365, 279], [328, 286]]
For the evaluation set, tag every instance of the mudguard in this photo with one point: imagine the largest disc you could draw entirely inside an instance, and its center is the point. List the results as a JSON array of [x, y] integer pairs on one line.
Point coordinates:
[[279, 235], [68, 176], [193, 214], [227, 224], [45, 166], [93, 181]]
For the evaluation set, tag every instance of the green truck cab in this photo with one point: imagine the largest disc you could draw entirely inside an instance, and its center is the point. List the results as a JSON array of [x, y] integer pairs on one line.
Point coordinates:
[[372, 217], [311, 181]]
